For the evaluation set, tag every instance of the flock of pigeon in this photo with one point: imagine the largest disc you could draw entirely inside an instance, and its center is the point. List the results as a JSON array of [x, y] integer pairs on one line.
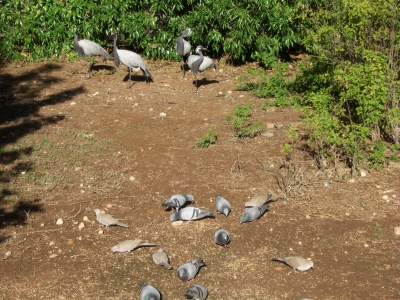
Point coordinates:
[[188, 271], [197, 63]]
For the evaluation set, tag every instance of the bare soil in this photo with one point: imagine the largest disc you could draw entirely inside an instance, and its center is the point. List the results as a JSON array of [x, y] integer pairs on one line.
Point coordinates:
[[71, 144]]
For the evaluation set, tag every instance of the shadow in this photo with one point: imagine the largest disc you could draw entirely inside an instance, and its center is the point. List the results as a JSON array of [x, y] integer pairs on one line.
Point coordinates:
[[21, 98], [204, 81], [102, 67]]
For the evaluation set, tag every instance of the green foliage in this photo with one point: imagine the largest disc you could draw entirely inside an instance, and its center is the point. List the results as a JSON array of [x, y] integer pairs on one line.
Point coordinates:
[[44, 28], [240, 123], [270, 86], [377, 158], [209, 138]]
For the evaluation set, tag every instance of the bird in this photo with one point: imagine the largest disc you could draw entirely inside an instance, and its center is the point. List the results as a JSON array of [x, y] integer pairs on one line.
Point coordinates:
[[183, 47], [89, 48], [253, 213], [196, 291], [178, 200], [223, 206], [160, 258], [188, 271], [130, 59], [149, 292], [221, 237], [296, 262], [258, 200], [129, 245], [107, 220], [191, 213], [199, 63]]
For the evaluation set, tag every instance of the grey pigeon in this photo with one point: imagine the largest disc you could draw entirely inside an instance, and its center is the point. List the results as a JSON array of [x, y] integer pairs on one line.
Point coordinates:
[[191, 213], [161, 259], [129, 245], [107, 220], [196, 291], [258, 200], [296, 262], [149, 292], [223, 206], [178, 200], [221, 237], [253, 213], [188, 271]]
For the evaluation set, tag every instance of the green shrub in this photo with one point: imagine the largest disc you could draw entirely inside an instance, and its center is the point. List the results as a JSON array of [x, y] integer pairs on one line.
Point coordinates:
[[240, 121], [209, 138]]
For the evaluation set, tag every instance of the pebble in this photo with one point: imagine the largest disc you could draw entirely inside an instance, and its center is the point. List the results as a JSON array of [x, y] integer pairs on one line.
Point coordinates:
[[229, 92], [267, 134], [81, 225], [109, 205], [385, 197], [363, 173], [85, 218], [163, 114], [397, 230], [52, 243], [177, 223], [53, 255], [352, 180], [241, 96], [269, 125], [100, 231], [7, 255], [278, 125], [60, 221], [308, 217], [131, 178], [72, 103]]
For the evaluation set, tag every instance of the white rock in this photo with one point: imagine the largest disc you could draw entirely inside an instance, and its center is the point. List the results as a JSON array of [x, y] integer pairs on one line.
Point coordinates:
[[131, 178], [53, 255], [385, 197], [366, 245], [363, 173], [7, 255], [100, 231], [150, 109], [267, 134], [352, 180], [394, 196], [75, 222], [241, 96], [85, 218], [52, 243], [221, 70], [397, 230], [81, 225], [72, 103], [269, 125], [229, 92], [163, 114], [42, 225], [308, 217], [109, 205], [59, 221], [177, 223]]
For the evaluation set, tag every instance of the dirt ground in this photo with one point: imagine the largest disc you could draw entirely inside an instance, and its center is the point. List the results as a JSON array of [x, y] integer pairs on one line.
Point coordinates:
[[71, 144]]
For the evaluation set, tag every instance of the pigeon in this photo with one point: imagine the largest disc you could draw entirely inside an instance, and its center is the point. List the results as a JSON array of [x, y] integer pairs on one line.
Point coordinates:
[[177, 201], [129, 245], [149, 292], [107, 220], [188, 271], [161, 259], [223, 205], [258, 200], [253, 213], [296, 262], [196, 291], [221, 237], [191, 213]]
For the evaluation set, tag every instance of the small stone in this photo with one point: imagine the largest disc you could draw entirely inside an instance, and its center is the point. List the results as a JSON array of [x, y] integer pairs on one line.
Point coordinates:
[[100, 231], [366, 245], [267, 134], [163, 114], [52, 243], [72, 103], [394, 196], [177, 223], [352, 180], [81, 225], [85, 218], [150, 109], [95, 94], [308, 217], [278, 125], [229, 92], [131, 178], [363, 173], [385, 197], [70, 242], [109, 205], [59, 221], [79, 238], [221, 70], [53, 255], [241, 96], [397, 230], [269, 125], [220, 93], [42, 224], [7, 255], [75, 222]]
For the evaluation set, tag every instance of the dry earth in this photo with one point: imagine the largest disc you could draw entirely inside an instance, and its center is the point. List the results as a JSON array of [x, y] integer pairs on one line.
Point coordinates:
[[70, 145]]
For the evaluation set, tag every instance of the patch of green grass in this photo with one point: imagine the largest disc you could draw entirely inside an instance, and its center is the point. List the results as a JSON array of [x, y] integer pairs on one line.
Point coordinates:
[[209, 138], [240, 121]]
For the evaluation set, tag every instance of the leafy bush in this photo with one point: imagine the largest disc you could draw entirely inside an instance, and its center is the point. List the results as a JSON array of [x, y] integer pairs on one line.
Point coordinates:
[[240, 121], [244, 29], [209, 138]]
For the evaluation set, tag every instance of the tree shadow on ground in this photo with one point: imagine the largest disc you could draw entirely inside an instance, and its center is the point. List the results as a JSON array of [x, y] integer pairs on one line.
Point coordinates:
[[22, 96]]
